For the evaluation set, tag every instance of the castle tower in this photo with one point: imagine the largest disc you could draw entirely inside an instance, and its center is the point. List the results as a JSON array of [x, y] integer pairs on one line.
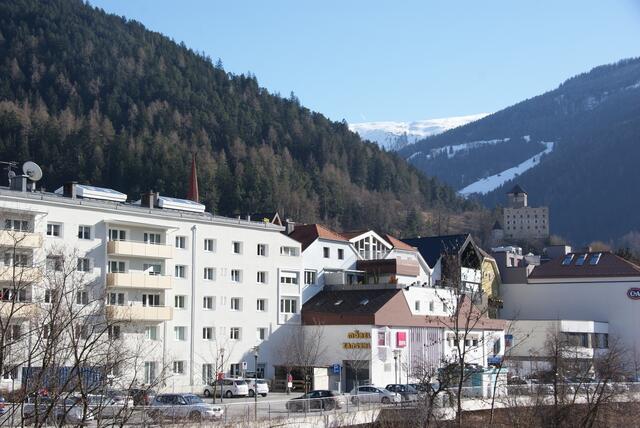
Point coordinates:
[[517, 197]]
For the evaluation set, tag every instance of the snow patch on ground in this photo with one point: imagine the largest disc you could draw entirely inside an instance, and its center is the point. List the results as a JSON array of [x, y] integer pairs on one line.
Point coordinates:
[[452, 150], [634, 86], [488, 184], [395, 135]]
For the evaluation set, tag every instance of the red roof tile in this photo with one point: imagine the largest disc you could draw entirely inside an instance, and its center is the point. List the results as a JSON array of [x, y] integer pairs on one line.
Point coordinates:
[[398, 243], [306, 234]]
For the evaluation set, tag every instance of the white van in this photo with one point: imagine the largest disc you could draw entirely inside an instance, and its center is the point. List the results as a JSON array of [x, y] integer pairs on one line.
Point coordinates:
[[230, 388]]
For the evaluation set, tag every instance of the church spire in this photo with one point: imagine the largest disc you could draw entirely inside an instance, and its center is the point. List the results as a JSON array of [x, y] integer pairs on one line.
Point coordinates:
[[193, 181]]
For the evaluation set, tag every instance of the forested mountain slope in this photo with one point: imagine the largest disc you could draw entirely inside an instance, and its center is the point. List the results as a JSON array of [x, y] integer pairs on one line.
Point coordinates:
[[101, 99], [589, 176]]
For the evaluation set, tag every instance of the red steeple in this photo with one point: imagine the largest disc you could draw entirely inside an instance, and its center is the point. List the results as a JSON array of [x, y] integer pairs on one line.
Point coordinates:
[[193, 182]]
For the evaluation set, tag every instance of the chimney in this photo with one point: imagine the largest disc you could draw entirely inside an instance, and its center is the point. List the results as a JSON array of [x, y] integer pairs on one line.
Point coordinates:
[[69, 189], [19, 183], [149, 199], [289, 226], [193, 181]]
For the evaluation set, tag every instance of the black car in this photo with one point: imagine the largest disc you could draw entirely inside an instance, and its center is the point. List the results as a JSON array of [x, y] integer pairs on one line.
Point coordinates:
[[407, 392], [320, 399]]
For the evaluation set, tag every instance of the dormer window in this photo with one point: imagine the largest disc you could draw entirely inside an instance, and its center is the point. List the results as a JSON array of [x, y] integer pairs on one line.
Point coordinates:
[[567, 260]]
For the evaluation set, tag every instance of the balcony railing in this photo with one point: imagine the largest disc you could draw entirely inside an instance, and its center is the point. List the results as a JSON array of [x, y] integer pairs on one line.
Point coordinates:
[[139, 313], [19, 310], [138, 280], [20, 274], [10, 238], [139, 249]]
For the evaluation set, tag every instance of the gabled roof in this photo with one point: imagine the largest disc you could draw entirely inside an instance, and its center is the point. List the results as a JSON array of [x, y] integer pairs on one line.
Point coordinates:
[[306, 234], [396, 243], [496, 226], [608, 265], [432, 247], [516, 190], [353, 233]]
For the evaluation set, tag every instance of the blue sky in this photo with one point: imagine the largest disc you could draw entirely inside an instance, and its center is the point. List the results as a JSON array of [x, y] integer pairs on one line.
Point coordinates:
[[374, 60]]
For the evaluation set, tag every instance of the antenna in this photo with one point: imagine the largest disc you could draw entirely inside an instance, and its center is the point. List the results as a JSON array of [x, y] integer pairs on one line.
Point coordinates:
[[32, 170]]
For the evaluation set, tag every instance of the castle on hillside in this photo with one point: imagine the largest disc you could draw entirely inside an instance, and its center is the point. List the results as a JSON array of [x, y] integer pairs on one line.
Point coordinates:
[[520, 221]]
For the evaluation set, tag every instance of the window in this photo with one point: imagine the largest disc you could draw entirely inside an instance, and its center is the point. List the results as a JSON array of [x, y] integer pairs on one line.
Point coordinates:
[[210, 245], [207, 302], [445, 308], [580, 260], [12, 333], [261, 305], [290, 251], [152, 268], [178, 367], [567, 260], [236, 304], [180, 302], [149, 372], [54, 263], [310, 277], [236, 275], [113, 332], [234, 369], [340, 253], [595, 258], [417, 305], [84, 265], [84, 232], [237, 247], [116, 267], [151, 332], [8, 294], [54, 229], [261, 333], [208, 333], [17, 225], [288, 306], [180, 271], [431, 306], [181, 242], [150, 300], [114, 299], [16, 259], [117, 235], [152, 238], [82, 298], [261, 277], [326, 252], [288, 278], [207, 373], [262, 250], [234, 333], [209, 274], [180, 333]]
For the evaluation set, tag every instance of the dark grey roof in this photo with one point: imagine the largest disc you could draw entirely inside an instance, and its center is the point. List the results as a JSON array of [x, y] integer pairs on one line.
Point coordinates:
[[432, 247], [363, 301], [516, 190], [497, 226]]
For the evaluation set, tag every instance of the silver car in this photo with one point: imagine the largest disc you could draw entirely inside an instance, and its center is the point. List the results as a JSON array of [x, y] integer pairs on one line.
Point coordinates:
[[184, 407], [373, 394]]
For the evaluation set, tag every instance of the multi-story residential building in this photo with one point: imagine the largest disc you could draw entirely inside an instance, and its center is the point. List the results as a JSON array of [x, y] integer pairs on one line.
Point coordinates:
[[193, 293], [520, 221]]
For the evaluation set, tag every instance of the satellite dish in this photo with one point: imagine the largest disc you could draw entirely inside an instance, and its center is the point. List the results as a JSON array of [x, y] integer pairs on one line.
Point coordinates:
[[32, 170]]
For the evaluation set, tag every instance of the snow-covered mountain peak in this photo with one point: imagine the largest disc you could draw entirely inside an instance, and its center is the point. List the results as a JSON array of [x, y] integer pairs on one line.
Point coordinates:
[[396, 135]]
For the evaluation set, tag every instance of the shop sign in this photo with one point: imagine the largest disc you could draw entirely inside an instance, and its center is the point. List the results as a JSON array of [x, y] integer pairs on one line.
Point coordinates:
[[356, 345], [401, 339], [633, 293], [357, 334]]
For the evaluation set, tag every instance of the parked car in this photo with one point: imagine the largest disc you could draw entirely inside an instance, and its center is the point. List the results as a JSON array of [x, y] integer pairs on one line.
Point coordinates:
[[103, 406], [182, 406], [407, 392], [259, 386], [64, 411], [230, 388], [141, 396], [373, 394], [3, 406], [320, 399]]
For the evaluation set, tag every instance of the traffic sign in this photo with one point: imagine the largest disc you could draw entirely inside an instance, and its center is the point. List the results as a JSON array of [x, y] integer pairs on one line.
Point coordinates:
[[336, 368]]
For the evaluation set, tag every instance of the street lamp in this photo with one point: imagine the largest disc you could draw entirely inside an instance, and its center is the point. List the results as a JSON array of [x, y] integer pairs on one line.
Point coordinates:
[[255, 382], [222, 370], [396, 354]]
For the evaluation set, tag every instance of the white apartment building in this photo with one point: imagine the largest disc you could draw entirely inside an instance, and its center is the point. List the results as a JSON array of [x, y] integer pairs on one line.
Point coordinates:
[[192, 291]]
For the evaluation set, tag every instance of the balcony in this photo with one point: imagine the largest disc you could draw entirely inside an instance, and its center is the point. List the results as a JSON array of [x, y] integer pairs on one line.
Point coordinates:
[[10, 238], [20, 310], [20, 274], [139, 313], [138, 280], [139, 249]]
